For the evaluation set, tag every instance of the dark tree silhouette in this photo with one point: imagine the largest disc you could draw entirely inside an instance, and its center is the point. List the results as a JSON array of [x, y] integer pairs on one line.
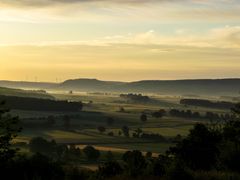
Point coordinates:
[[111, 133], [148, 155], [101, 129], [119, 133], [143, 117], [36, 166], [137, 133], [125, 130], [36, 104], [9, 128], [121, 109], [158, 114], [109, 169], [135, 162], [230, 155], [91, 153], [41, 145], [199, 150]]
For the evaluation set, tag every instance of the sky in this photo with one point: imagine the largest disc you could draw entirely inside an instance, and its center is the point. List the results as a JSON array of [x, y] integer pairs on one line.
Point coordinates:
[[122, 40]]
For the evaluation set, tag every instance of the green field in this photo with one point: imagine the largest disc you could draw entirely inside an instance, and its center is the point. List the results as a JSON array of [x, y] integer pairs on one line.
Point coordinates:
[[83, 129]]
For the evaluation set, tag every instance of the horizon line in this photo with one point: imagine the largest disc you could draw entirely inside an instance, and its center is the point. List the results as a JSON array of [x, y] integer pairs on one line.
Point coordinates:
[[183, 79]]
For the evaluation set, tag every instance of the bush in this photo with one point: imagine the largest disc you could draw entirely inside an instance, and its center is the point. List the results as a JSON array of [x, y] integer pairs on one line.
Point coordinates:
[[41, 145], [91, 153], [199, 150], [36, 167], [109, 169], [135, 163], [179, 172]]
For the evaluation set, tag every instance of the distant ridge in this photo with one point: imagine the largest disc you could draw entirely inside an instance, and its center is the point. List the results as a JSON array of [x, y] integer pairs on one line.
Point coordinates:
[[26, 84], [223, 87]]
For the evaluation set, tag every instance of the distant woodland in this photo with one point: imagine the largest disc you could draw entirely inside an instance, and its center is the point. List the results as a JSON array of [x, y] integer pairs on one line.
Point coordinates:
[[207, 103], [34, 104]]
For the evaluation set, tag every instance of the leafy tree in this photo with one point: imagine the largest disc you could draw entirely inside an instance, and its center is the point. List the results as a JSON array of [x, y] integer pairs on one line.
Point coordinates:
[[91, 153], [199, 150], [41, 145], [178, 171], [137, 133], [125, 130], [163, 112], [9, 128], [76, 151], [119, 133], [157, 114], [60, 151], [136, 98], [149, 155], [121, 109], [231, 130], [143, 117], [236, 110], [101, 129], [177, 138], [111, 133], [72, 154], [152, 136], [230, 151], [109, 169], [160, 165], [135, 162]]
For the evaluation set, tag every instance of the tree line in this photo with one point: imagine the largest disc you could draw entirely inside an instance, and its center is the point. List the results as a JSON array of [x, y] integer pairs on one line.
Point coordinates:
[[207, 103], [135, 97], [35, 104]]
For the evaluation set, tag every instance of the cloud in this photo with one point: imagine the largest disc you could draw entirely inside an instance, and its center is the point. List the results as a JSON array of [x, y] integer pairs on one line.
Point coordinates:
[[36, 3], [226, 37], [40, 3], [119, 10]]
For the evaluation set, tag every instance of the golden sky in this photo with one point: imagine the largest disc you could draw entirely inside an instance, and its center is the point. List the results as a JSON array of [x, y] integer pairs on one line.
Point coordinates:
[[119, 39]]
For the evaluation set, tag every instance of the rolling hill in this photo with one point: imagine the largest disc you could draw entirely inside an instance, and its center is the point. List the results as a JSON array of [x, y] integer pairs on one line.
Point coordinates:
[[174, 87], [213, 87]]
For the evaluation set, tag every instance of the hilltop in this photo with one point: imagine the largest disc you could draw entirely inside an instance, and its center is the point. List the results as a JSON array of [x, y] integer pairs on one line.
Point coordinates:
[[175, 87]]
